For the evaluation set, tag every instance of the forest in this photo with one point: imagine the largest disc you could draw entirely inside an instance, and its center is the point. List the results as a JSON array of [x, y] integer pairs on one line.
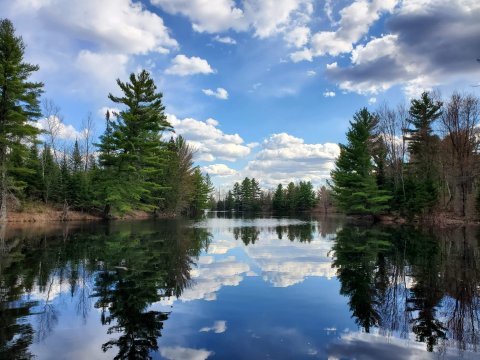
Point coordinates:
[[416, 161], [421, 161], [132, 167]]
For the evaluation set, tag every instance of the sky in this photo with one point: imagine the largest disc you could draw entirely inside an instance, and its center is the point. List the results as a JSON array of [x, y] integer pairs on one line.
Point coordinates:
[[260, 88]]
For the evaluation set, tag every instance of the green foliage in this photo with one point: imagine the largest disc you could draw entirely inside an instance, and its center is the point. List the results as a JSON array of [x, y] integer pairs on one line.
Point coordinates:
[[202, 189], [355, 187], [19, 104], [423, 146], [132, 152]]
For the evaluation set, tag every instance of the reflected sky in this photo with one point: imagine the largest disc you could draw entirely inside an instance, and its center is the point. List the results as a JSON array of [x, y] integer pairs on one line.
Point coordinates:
[[240, 289]]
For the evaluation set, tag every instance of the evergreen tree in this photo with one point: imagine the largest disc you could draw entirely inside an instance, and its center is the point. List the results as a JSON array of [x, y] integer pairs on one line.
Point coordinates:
[[18, 103], [306, 196], [278, 201], [202, 188], [237, 196], [354, 182], [177, 177], [229, 201], [132, 152], [423, 146]]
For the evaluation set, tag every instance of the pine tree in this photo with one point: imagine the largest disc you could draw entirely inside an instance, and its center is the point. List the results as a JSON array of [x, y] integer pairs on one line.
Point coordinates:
[[18, 103], [423, 146], [278, 201], [202, 188], [354, 182], [132, 152]]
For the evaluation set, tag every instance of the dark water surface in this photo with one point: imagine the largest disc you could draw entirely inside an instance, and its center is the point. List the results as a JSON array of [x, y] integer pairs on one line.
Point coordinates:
[[222, 288]]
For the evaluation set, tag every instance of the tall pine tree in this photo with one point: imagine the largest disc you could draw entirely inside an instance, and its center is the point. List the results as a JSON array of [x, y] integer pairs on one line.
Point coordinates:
[[354, 180], [18, 104], [132, 152]]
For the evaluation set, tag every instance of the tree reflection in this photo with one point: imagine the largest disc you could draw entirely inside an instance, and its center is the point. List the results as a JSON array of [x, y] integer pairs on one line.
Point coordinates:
[[129, 265], [401, 280], [356, 258]]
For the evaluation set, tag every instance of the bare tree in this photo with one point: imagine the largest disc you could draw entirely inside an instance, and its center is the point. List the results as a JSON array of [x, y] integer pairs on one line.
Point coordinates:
[[88, 133], [460, 122], [392, 125], [53, 123]]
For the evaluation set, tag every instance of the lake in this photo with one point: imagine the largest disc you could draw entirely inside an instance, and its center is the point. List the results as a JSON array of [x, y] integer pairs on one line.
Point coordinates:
[[233, 288]]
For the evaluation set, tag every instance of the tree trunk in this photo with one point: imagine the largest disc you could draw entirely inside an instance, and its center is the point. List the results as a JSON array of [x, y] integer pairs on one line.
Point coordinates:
[[3, 186]]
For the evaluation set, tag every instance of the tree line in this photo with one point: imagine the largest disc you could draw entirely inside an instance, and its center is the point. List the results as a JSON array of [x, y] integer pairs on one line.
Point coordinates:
[[419, 161], [132, 167], [247, 197]]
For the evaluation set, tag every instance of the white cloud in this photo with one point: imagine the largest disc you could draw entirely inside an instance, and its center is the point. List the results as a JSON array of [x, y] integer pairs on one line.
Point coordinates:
[[374, 49], [355, 21], [301, 55], [118, 26], [265, 17], [183, 66], [329, 93], [268, 17], [429, 43], [220, 93], [372, 100], [62, 130], [284, 158], [219, 170], [311, 73], [218, 327], [102, 67], [298, 36], [216, 16], [210, 277], [225, 40], [183, 353], [101, 39], [285, 263], [333, 65], [209, 141]]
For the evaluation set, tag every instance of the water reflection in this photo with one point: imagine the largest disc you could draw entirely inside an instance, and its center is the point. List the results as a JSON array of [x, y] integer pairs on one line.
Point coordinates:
[[172, 289], [405, 282], [123, 269]]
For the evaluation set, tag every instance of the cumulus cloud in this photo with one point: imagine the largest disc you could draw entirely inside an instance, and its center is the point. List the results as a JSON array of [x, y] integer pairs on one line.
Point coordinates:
[[208, 140], [219, 170], [99, 38], [286, 263], [333, 65], [59, 128], [183, 353], [329, 93], [225, 40], [218, 327], [298, 36], [183, 66], [220, 93], [284, 158], [210, 276], [311, 73], [264, 17], [218, 16], [429, 43], [355, 21], [301, 55], [94, 65]]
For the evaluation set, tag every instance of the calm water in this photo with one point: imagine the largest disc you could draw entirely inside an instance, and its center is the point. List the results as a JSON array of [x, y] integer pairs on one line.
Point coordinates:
[[239, 289]]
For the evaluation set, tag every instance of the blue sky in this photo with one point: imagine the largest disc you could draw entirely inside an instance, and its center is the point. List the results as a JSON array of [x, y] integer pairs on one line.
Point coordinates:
[[261, 88]]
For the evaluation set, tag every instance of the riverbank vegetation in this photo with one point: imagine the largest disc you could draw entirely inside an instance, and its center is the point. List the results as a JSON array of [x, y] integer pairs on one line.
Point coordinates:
[[135, 166], [418, 162]]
